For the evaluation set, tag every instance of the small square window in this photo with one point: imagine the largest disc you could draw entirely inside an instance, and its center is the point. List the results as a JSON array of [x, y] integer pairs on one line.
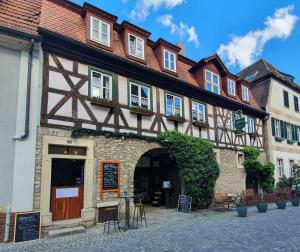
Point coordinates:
[[136, 46], [101, 85], [240, 160], [212, 82], [139, 96], [173, 105], [100, 31], [198, 111]]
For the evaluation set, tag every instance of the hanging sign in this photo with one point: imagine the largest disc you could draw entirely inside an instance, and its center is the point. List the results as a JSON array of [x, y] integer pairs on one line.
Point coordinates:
[[27, 226], [70, 192], [184, 204], [239, 122], [109, 176]]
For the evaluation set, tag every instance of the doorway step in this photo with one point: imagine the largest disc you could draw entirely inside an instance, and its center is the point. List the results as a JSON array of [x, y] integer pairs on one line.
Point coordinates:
[[65, 231]]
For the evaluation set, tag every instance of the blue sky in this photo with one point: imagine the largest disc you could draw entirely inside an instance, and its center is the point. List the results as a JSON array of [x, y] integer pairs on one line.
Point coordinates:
[[240, 31]]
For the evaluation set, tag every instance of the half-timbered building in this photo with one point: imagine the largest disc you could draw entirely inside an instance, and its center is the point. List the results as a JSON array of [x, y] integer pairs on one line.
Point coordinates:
[[106, 76]]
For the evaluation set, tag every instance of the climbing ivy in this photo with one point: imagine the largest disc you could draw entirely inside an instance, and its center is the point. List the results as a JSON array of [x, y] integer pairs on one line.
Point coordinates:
[[265, 172], [197, 164]]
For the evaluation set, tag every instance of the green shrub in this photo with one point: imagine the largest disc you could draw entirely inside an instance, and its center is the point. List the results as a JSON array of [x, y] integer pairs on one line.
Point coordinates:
[[197, 164]]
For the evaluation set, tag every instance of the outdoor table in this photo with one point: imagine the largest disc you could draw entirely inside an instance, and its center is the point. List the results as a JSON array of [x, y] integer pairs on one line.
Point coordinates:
[[127, 212]]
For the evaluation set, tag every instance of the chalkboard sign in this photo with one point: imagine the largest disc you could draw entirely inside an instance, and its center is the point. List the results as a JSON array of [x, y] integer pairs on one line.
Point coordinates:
[[110, 176], [184, 204], [27, 226]]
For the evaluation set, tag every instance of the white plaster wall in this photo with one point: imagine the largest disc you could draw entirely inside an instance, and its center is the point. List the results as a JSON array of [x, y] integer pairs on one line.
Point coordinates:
[[24, 159], [57, 80], [123, 90], [131, 118], [286, 156]]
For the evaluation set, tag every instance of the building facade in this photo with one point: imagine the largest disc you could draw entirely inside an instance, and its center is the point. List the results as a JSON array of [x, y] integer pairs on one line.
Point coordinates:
[[113, 81], [279, 96], [20, 99]]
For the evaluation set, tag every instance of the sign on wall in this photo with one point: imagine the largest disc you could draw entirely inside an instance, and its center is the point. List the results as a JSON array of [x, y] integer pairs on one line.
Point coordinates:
[[27, 226], [239, 122], [184, 204], [109, 176]]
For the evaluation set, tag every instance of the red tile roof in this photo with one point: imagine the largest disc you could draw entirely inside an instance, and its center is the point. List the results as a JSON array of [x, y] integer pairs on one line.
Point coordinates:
[[21, 15]]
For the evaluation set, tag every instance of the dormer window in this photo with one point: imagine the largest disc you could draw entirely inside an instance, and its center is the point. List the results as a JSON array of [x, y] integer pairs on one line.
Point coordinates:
[[100, 31], [245, 93], [212, 82], [136, 46], [231, 87], [169, 61]]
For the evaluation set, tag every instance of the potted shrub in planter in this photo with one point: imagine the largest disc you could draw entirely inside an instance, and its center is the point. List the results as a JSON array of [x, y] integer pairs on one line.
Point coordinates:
[[262, 206], [241, 208], [295, 201]]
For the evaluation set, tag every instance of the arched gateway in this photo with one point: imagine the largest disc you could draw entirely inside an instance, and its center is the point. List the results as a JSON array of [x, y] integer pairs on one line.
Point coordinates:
[[156, 177]]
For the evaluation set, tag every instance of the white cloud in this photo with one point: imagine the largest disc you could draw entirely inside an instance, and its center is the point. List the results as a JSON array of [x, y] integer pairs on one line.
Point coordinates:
[[182, 29], [143, 7], [245, 49]]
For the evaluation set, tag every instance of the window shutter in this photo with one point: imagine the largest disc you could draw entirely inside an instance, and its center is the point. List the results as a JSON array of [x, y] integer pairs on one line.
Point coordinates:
[[285, 130], [296, 132], [282, 125], [273, 126]]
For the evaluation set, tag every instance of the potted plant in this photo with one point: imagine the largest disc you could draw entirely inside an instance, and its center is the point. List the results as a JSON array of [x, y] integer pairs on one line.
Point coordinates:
[[281, 203], [262, 206], [295, 201], [241, 208]]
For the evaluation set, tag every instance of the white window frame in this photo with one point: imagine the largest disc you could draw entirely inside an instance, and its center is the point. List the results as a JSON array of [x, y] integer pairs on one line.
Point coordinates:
[[280, 167], [169, 61], [289, 131], [136, 46], [251, 126], [211, 81], [173, 104], [245, 93], [291, 162], [197, 104], [277, 128], [101, 84], [100, 39], [140, 86], [231, 87]]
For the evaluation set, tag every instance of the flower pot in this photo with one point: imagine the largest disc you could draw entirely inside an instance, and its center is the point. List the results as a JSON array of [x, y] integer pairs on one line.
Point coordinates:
[[281, 204], [262, 207], [295, 201], [242, 211]]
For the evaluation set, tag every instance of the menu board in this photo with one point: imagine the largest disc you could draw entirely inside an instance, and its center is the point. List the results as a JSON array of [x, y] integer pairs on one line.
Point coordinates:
[[184, 204], [110, 176], [27, 226]]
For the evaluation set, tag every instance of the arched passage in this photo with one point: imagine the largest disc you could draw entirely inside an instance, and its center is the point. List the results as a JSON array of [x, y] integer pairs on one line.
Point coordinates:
[[152, 172]]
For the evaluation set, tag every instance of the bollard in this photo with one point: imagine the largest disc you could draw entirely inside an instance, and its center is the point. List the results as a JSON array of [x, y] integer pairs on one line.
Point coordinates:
[[7, 224]]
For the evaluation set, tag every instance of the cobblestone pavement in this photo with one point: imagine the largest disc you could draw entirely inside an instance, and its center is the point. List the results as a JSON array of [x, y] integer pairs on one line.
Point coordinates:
[[276, 230]]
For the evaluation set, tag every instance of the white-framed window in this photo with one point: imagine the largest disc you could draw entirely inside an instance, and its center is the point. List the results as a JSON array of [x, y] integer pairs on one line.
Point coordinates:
[[100, 31], [245, 93], [101, 85], [251, 124], [280, 167], [240, 159], [292, 162], [231, 87], [289, 131], [277, 128], [212, 82], [173, 105], [139, 95], [198, 111], [169, 60], [136, 46]]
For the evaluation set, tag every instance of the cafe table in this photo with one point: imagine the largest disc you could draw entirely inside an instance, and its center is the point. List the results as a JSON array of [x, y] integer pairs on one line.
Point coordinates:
[[127, 199]]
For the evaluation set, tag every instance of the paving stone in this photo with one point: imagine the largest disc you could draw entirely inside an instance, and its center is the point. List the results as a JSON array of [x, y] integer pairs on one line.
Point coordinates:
[[276, 230]]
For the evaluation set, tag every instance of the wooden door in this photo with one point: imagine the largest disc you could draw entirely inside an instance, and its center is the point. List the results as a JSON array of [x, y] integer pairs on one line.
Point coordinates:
[[66, 202]]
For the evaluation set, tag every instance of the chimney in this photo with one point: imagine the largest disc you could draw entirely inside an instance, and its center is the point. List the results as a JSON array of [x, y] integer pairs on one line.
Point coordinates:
[[181, 46]]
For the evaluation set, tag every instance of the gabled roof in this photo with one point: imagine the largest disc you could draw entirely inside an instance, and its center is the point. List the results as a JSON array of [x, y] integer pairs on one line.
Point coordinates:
[[213, 58], [21, 15], [262, 69]]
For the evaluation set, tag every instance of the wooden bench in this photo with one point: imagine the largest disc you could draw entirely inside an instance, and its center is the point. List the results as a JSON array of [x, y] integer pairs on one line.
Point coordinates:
[[222, 199]]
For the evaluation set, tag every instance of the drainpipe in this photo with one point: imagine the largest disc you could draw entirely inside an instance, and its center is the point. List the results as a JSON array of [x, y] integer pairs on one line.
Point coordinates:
[[7, 224], [26, 131]]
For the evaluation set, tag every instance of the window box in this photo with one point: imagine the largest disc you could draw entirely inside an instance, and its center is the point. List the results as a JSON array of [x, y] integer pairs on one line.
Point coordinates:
[[279, 139], [102, 102], [141, 111], [253, 134], [176, 119], [290, 141], [240, 132], [201, 124]]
